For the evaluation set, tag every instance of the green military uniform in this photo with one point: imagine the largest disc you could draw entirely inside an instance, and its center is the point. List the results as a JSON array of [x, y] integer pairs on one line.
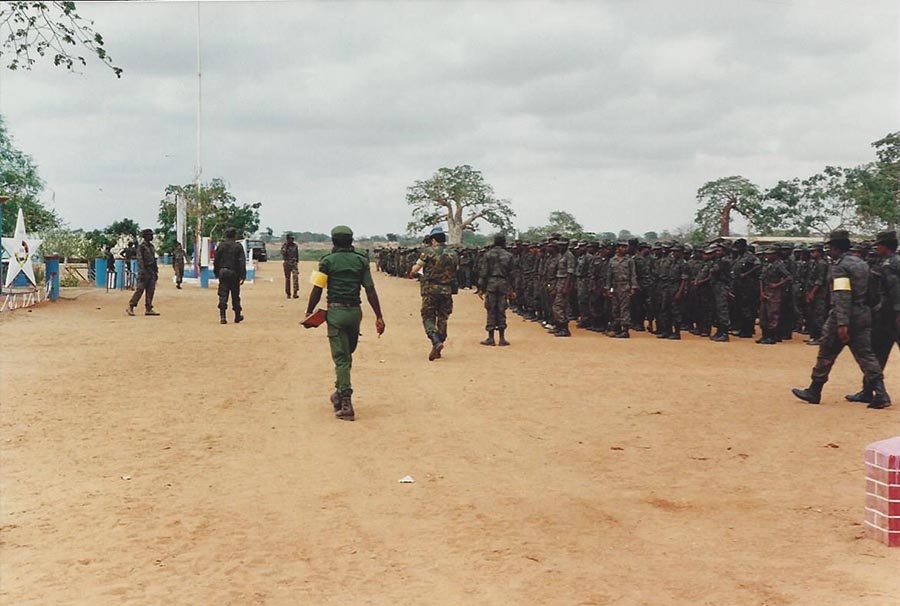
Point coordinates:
[[230, 267], [178, 265], [290, 255], [438, 269], [148, 274], [495, 274], [347, 271]]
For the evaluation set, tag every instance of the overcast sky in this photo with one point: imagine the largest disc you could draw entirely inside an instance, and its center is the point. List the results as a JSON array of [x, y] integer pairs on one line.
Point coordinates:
[[616, 112]]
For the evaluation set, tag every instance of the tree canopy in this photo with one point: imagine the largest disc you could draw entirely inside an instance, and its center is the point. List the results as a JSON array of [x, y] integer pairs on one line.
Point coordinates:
[[208, 214], [720, 198], [460, 197], [20, 181], [55, 29], [558, 222]]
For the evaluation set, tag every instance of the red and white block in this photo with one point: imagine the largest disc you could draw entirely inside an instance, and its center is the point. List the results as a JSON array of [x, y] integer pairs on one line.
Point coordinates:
[[883, 491]]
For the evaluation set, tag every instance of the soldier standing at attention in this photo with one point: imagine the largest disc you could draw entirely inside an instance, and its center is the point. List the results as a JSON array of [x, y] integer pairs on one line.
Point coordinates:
[[772, 279], [849, 323], [230, 267], [886, 317], [148, 274], [178, 264], [623, 284], [345, 271], [746, 288], [439, 265], [494, 285], [673, 286], [720, 277], [640, 302], [816, 294], [290, 254]]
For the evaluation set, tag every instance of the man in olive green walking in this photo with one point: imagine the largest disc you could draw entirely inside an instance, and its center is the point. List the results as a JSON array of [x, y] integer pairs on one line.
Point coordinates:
[[345, 271]]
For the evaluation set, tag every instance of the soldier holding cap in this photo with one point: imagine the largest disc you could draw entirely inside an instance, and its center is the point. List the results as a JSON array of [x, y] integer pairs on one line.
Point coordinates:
[[148, 274], [290, 255], [344, 271], [849, 323]]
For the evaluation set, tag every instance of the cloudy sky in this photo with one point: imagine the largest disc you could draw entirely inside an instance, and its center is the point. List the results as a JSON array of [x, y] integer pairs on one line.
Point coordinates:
[[615, 111]]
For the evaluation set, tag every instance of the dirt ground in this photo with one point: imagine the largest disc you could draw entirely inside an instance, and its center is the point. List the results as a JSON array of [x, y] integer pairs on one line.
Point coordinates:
[[172, 460]]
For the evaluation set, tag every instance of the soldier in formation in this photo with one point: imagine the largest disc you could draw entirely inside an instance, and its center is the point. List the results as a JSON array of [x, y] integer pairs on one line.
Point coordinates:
[[495, 280]]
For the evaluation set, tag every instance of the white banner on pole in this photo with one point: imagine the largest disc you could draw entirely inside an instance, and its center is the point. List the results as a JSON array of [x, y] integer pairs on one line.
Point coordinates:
[[180, 211]]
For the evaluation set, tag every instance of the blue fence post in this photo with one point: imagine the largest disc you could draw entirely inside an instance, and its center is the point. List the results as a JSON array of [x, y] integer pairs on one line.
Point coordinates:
[[120, 273], [205, 274], [100, 272], [166, 259], [51, 273]]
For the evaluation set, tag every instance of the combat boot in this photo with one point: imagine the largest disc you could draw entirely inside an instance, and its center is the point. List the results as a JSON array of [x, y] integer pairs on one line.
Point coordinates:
[[238, 317], [622, 334], [675, 336], [436, 346], [563, 330], [346, 411], [503, 342], [336, 401], [222, 319], [151, 312], [489, 341], [767, 339], [863, 396], [130, 310], [812, 394], [880, 397], [721, 335]]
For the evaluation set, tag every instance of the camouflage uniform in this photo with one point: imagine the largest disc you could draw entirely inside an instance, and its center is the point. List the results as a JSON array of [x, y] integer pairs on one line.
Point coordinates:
[[290, 254], [640, 303], [622, 280], [816, 285], [565, 269], [770, 306], [746, 291], [178, 266], [720, 278], [494, 280], [439, 266]]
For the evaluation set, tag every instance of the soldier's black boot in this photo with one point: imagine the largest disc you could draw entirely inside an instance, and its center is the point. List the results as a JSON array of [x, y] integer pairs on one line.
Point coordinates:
[[336, 401], [489, 340], [767, 338], [812, 394], [238, 318], [503, 342], [222, 319], [880, 397], [676, 335], [346, 412], [563, 330], [721, 335], [864, 395], [436, 346]]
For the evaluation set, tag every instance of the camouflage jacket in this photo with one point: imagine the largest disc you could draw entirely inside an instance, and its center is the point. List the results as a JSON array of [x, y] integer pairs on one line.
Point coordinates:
[[439, 265]]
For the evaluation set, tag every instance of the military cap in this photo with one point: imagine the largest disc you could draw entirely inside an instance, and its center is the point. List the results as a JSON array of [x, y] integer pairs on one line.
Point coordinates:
[[622, 243], [785, 246], [341, 230], [667, 244], [740, 242], [710, 249], [643, 245], [818, 247], [768, 250], [838, 235], [656, 246], [434, 230], [289, 235], [858, 247], [147, 232], [594, 244], [888, 238]]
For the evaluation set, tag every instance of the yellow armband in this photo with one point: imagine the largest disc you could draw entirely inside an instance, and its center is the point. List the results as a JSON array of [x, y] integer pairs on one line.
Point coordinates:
[[842, 284], [319, 279]]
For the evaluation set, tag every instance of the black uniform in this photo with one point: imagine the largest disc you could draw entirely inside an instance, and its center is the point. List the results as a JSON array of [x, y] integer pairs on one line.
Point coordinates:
[[230, 267]]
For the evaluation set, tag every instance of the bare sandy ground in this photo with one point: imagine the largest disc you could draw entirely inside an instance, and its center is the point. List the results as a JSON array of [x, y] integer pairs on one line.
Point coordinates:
[[172, 460]]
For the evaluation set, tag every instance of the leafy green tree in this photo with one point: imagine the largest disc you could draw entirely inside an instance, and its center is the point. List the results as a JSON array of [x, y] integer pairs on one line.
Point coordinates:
[[721, 198], [606, 236], [876, 186], [19, 181], [624, 234], [209, 212], [460, 197], [558, 222], [38, 29], [651, 236], [125, 227], [816, 205]]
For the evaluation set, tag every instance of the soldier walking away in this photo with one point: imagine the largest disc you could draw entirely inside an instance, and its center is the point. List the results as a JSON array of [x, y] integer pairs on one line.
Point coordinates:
[[148, 274], [230, 267], [345, 272], [178, 264], [439, 265], [495, 275], [290, 254], [886, 314], [849, 323]]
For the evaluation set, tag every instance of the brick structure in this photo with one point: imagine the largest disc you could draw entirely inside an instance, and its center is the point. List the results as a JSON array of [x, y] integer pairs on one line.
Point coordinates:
[[883, 491]]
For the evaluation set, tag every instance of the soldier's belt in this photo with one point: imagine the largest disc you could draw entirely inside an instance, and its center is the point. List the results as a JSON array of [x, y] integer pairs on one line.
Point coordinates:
[[338, 304]]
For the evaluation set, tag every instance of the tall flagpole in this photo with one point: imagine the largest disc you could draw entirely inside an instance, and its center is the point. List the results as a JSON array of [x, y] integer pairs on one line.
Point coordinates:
[[199, 168]]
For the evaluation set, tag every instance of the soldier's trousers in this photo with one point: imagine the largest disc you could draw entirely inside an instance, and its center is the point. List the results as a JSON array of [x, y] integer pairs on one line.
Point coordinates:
[[229, 285], [720, 297], [496, 303], [179, 272], [435, 311], [770, 309], [145, 285], [670, 310], [860, 346], [884, 335], [639, 307], [816, 312], [621, 307], [746, 305], [560, 302], [707, 308], [786, 319], [584, 299], [291, 274], [343, 336]]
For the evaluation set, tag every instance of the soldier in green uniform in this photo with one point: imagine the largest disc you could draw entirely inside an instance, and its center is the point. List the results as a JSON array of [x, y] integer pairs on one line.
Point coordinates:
[[344, 271], [720, 279], [640, 301], [230, 267], [290, 255], [772, 278], [621, 277], [849, 323], [148, 274], [816, 289], [746, 268], [495, 274], [178, 264], [439, 265]]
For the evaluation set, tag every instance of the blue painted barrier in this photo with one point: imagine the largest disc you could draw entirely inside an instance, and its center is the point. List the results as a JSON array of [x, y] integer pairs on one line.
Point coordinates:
[[100, 273], [51, 274]]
